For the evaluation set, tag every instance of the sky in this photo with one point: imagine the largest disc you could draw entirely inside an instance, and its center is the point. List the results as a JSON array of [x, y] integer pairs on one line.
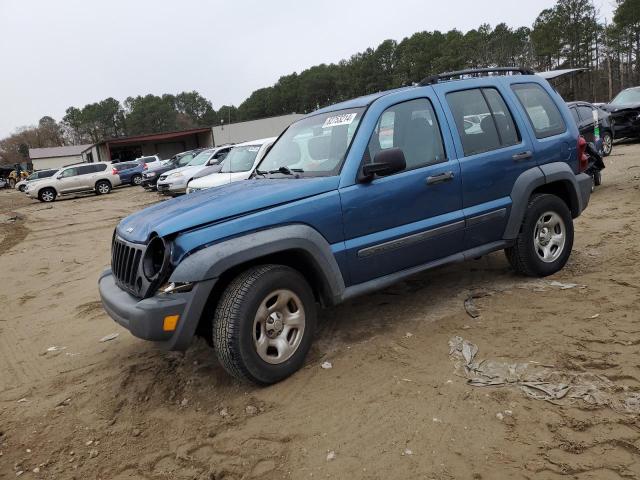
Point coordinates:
[[62, 53]]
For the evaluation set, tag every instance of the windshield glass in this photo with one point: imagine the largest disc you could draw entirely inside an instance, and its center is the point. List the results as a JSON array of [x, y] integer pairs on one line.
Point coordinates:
[[627, 97], [201, 158], [185, 159], [240, 159], [314, 146]]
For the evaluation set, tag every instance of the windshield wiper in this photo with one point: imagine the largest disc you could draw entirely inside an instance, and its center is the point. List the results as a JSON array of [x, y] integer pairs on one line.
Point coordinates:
[[287, 170]]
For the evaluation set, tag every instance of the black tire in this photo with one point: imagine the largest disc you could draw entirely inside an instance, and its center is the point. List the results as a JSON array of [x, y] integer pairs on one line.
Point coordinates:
[[47, 195], [523, 255], [136, 180], [22, 188], [234, 323], [103, 187], [597, 178], [607, 143]]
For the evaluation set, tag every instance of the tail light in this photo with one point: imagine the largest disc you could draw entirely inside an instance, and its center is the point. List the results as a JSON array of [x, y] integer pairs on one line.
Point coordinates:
[[114, 171], [144, 166], [583, 160]]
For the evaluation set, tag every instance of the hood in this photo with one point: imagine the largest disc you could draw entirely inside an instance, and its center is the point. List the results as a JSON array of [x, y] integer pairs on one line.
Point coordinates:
[[212, 180], [215, 204], [620, 108], [186, 168], [208, 171]]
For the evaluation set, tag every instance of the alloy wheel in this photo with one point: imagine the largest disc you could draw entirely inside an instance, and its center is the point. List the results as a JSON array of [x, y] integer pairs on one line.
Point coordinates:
[[278, 326], [549, 237]]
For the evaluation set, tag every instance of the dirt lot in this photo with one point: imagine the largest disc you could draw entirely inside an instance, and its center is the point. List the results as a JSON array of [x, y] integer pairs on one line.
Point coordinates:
[[392, 406]]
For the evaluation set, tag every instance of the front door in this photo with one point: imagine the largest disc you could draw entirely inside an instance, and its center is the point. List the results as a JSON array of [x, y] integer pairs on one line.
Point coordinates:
[[69, 180], [412, 217]]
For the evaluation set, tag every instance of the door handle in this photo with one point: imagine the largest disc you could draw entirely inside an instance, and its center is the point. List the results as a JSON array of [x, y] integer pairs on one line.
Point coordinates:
[[441, 177], [522, 156]]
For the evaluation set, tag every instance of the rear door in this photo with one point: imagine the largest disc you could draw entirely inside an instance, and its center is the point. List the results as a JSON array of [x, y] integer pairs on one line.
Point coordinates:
[[86, 174], [493, 152], [410, 218]]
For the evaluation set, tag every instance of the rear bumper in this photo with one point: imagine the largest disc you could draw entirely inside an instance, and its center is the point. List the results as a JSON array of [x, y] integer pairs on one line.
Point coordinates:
[[144, 317], [584, 189]]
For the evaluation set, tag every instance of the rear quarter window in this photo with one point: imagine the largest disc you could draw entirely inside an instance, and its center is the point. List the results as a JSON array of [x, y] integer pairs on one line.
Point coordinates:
[[101, 167], [543, 113]]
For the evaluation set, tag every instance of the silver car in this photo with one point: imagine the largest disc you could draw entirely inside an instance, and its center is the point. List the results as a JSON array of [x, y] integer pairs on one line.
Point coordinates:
[[99, 177]]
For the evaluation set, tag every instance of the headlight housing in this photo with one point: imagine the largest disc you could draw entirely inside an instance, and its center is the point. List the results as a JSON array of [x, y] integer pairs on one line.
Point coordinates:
[[175, 175], [155, 258]]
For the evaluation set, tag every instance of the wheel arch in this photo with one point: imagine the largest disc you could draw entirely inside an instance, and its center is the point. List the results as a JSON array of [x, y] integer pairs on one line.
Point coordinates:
[[554, 178], [297, 246]]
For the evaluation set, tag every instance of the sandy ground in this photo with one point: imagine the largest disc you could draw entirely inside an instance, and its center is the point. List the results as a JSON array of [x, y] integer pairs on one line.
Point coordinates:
[[392, 406]]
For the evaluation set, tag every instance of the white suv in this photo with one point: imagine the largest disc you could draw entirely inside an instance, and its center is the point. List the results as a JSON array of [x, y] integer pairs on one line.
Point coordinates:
[[99, 177]]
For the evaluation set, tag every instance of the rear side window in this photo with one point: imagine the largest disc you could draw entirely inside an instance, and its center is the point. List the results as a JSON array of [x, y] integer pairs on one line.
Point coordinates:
[[83, 170], [100, 167], [574, 114], [483, 120], [542, 111], [586, 113]]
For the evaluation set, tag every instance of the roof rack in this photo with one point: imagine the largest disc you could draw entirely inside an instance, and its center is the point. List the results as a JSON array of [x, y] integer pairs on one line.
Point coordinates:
[[433, 79]]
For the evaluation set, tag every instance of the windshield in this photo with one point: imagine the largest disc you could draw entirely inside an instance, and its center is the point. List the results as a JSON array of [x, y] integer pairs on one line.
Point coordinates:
[[627, 97], [240, 159], [314, 146], [185, 159], [201, 158]]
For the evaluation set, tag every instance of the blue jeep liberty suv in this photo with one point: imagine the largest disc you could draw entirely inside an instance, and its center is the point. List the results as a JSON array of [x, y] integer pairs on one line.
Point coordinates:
[[351, 199]]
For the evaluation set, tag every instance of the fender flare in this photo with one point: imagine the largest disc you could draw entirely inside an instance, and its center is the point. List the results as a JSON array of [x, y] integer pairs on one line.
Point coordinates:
[[536, 177], [212, 261]]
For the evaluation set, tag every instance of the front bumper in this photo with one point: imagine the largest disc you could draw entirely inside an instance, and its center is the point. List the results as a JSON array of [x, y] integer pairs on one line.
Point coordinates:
[[171, 188], [144, 317], [584, 189]]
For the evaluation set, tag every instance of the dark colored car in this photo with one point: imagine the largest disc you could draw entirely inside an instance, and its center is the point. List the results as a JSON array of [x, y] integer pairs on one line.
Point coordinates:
[[625, 113], [130, 172], [150, 177], [585, 114]]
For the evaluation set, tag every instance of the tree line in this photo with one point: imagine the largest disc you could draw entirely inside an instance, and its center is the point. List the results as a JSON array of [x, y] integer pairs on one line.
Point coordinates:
[[569, 35]]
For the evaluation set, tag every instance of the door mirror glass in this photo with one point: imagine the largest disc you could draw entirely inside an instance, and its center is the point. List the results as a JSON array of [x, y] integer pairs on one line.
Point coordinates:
[[386, 162]]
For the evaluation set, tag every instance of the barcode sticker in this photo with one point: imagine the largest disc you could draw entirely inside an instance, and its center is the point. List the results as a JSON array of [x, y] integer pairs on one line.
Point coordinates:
[[345, 119]]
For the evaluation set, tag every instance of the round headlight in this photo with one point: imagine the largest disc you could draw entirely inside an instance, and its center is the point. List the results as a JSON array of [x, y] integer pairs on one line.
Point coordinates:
[[154, 258]]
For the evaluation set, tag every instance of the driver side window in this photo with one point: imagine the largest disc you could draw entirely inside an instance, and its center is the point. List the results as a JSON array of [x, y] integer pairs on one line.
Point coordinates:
[[413, 127], [69, 172]]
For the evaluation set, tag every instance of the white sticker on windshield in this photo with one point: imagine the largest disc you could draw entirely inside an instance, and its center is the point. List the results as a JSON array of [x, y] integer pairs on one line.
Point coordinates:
[[345, 119], [253, 149]]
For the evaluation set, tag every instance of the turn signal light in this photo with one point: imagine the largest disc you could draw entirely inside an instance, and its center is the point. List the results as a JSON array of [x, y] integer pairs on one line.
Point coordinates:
[[170, 323]]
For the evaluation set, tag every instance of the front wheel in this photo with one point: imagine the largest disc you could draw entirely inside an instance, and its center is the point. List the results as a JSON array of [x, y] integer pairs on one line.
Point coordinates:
[[264, 324], [22, 188], [47, 195], [103, 187], [607, 144], [545, 240]]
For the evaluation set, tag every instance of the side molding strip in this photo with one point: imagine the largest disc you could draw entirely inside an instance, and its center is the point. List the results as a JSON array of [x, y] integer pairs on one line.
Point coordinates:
[[410, 239], [485, 217]]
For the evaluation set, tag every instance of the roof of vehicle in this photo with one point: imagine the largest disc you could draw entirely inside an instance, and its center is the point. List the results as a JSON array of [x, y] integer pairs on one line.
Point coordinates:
[[463, 75], [363, 101]]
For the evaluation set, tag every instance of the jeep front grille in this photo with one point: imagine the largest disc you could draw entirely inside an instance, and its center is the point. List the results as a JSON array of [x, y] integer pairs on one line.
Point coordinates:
[[125, 263]]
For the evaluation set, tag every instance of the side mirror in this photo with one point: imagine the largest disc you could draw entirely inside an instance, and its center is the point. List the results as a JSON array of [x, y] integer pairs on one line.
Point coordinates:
[[386, 162], [58, 177]]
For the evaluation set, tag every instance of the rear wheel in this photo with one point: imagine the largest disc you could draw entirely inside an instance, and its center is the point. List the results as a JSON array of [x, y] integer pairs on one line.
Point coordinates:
[[264, 324], [607, 144], [103, 187], [47, 195], [545, 240], [136, 180]]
